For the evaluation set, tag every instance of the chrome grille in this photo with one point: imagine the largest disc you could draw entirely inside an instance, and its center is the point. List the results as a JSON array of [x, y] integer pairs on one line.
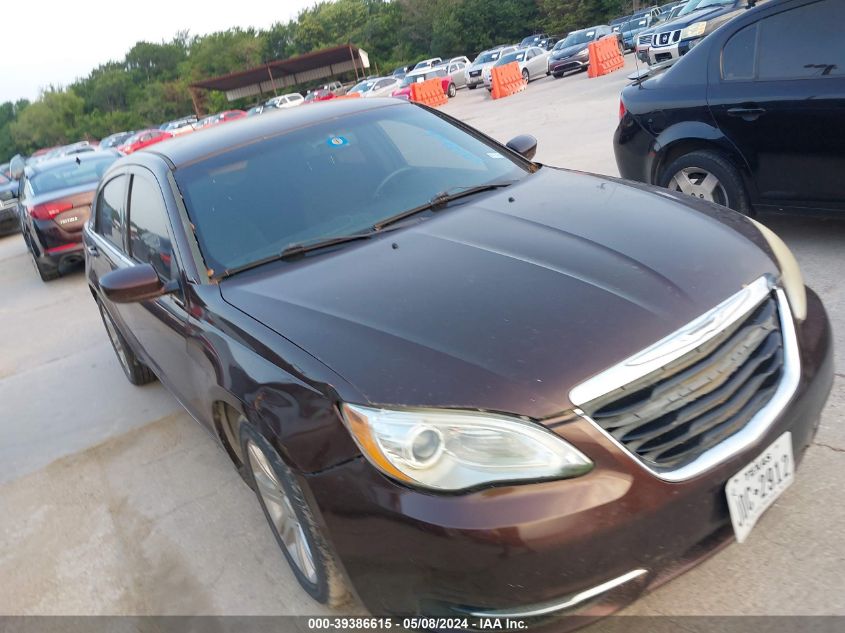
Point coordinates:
[[672, 415], [645, 40]]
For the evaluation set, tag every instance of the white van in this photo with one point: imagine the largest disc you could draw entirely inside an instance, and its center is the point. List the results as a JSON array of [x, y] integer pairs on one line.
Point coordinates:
[[287, 101]]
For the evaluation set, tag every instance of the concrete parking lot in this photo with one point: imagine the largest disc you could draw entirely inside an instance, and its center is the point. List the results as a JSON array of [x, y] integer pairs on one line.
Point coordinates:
[[114, 501]]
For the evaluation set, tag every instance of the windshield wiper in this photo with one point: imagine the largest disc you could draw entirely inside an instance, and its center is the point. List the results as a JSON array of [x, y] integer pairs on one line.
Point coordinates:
[[440, 200], [296, 250]]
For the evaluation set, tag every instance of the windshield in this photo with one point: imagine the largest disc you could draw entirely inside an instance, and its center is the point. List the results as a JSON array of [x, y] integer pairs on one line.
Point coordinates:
[[633, 25], [486, 58], [332, 178], [579, 37], [694, 5], [364, 86], [70, 174], [511, 57]]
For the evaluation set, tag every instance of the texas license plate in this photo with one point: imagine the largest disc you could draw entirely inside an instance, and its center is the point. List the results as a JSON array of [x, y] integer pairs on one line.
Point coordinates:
[[754, 488]]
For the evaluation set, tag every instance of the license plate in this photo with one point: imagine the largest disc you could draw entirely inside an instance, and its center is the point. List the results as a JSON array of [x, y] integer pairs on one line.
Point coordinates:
[[754, 488]]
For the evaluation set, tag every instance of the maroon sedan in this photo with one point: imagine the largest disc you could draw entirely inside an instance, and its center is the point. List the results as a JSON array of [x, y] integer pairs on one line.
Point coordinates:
[[460, 382]]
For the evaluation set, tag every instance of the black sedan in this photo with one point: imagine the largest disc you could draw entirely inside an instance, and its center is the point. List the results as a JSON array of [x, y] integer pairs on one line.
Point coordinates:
[[464, 382], [750, 118], [54, 204]]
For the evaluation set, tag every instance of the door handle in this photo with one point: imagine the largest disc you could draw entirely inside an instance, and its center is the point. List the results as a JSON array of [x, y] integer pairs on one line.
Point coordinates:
[[748, 114], [92, 250]]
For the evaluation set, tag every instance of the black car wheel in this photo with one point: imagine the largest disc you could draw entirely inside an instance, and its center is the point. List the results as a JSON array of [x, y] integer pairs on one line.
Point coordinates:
[[525, 76], [291, 520], [136, 372], [452, 91], [472, 86], [707, 175], [558, 75]]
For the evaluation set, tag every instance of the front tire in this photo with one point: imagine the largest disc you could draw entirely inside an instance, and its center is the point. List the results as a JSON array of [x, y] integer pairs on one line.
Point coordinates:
[[707, 175], [291, 520], [136, 372], [526, 77], [452, 91], [472, 86]]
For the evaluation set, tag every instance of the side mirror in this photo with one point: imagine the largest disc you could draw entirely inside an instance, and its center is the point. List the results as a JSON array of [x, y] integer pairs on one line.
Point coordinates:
[[136, 283], [524, 144], [16, 167]]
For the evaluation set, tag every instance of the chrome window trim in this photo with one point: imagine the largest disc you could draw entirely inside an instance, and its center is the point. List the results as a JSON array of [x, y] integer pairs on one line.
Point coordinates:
[[758, 425]]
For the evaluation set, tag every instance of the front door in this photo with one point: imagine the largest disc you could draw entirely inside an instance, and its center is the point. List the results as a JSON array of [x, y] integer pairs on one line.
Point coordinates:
[[160, 325]]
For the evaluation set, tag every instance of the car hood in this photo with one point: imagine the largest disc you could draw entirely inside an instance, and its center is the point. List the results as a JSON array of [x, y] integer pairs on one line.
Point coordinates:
[[507, 301], [696, 16], [568, 51]]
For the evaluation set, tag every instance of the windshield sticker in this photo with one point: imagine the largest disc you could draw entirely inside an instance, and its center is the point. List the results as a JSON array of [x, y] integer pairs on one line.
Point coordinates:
[[337, 141], [590, 33], [494, 155]]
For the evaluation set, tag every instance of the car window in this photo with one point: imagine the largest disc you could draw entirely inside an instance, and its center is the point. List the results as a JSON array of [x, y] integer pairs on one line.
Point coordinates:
[[738, 56], [149, 240], [814, 35], [110, 211]]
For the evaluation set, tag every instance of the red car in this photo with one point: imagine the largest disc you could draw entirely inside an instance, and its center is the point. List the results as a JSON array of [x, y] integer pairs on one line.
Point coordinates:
[[143, 139], [449, 87], [229, 115], [319, 95]]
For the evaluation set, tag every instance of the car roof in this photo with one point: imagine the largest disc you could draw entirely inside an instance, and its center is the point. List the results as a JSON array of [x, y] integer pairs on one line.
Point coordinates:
[[189, 148]]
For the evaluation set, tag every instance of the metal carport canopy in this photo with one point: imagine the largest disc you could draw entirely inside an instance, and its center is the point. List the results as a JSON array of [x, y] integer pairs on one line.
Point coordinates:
[[284, 73]]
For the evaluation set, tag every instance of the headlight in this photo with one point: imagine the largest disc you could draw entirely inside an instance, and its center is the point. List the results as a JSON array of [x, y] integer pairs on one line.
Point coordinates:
[[791, 278], [583, 53], [694, 30], [455, 450]]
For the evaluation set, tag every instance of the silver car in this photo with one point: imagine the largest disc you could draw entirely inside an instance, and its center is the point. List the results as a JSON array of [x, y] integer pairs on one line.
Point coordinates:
[[383, 87], [533, 63], [475, 71]]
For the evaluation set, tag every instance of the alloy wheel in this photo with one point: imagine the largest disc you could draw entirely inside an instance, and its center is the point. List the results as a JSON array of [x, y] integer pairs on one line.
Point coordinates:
[[699, 183], [280, 510]]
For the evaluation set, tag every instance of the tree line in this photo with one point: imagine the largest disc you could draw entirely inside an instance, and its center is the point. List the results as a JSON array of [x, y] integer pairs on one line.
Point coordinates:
[[150, 85]]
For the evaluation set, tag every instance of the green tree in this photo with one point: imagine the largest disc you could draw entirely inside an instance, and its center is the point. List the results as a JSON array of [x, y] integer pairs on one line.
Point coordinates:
[[51, 120]]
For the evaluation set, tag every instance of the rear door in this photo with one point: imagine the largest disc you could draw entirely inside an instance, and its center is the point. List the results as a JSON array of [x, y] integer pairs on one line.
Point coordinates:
[[777, 91]]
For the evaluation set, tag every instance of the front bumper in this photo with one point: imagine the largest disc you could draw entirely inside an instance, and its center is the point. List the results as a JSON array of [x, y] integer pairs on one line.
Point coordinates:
[[664, 56], [519, 549], [475, 80], [560, 66]]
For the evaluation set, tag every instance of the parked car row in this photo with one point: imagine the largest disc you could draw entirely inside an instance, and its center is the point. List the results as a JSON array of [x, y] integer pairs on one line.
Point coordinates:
[[611, 354]]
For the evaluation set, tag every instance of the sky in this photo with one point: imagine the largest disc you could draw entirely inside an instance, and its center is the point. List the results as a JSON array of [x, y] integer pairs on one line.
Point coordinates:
[[59, 40]]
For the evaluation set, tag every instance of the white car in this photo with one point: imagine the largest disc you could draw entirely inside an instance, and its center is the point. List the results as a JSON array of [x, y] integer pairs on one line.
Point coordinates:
[[287, 101], [427, 63], [474, 73], [533, 63]]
